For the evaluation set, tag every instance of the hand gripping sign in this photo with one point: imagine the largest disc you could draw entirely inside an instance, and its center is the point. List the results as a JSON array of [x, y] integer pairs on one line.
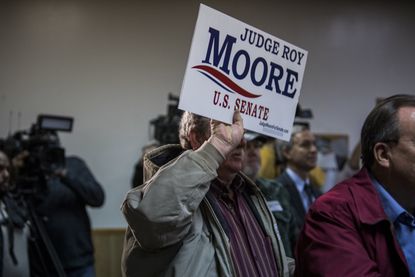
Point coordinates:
[[233, 65]]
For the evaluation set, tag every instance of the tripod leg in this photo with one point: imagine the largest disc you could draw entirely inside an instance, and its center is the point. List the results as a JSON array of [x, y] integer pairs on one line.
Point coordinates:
[[42, 242]]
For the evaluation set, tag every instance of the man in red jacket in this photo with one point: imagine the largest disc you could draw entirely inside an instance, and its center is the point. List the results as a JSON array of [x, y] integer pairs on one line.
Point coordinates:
[[365, 226]]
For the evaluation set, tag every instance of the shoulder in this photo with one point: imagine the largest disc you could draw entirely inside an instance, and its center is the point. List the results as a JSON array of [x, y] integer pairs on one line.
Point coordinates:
[[336, 205], [274, 192], [74, 159], [75, 162], [270, 186], [339, 195], [355, 191], [284, 179]]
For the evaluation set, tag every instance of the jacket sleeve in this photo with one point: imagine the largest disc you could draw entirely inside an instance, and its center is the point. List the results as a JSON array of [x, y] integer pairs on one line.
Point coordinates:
[[159, 212], [81, 181], [330, 243]]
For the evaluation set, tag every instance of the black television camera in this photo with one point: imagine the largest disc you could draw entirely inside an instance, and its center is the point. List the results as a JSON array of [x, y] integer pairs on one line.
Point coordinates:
[[301, 114], [43, 150], [166, 127]]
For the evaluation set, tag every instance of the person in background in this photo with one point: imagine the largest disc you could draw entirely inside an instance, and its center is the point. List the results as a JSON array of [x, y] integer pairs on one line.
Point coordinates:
[[276, 195], [196, 214], [62, 202], [365, 225], [14, 233], [300, 155], [271, 160]]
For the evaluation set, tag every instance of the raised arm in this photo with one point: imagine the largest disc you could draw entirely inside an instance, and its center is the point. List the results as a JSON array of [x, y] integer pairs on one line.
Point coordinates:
[[160, 212]]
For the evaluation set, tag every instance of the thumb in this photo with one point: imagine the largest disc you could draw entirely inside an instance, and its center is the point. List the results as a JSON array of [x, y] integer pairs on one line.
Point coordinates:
[[237, 119]]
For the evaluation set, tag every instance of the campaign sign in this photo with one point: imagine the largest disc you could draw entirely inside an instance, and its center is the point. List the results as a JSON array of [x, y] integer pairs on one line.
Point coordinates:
[[233, 65]]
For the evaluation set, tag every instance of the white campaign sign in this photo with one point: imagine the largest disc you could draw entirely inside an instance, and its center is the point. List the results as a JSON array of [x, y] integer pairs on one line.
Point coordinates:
[[233, 65]]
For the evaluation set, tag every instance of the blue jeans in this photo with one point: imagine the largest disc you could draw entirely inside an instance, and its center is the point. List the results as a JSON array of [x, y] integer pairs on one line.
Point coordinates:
[[87, 271]]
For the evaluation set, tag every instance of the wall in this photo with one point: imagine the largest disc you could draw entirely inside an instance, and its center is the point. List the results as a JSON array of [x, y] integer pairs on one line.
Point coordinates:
[[108, 245], [111, 65]]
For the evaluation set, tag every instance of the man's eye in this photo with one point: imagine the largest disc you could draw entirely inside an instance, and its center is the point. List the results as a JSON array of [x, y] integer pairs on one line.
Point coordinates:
[[307, 144]]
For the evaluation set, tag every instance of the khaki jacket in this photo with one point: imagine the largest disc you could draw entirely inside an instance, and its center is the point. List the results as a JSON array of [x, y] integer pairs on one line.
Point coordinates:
[[173, 229]]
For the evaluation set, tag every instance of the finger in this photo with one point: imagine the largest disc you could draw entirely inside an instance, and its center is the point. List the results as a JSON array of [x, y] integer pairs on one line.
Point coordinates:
[[237, 118]]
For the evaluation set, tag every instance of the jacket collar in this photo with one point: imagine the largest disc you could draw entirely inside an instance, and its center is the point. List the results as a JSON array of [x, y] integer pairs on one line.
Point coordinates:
[[158, 157], [368, 204]]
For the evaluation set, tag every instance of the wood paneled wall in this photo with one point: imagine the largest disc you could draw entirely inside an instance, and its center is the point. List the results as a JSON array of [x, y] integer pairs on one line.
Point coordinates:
[[108, 245]]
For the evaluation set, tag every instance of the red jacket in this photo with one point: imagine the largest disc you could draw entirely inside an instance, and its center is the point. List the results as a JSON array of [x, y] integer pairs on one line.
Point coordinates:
[[347, 233]]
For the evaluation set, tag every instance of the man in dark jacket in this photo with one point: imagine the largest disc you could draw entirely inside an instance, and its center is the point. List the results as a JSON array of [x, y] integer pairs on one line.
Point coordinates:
[[300, 156], [69, 192], [365, 225]]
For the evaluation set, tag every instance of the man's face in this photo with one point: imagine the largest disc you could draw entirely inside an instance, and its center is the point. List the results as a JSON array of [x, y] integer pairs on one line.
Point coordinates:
[[234, 161], [303, 154], [252, 158], [4, 172], [402, 154]]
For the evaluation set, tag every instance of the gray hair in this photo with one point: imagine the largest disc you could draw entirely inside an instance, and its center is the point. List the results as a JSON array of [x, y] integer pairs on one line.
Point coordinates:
[[196, 123]]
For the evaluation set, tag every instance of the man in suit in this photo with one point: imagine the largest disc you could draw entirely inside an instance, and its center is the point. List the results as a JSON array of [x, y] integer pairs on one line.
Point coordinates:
[[300, 155]]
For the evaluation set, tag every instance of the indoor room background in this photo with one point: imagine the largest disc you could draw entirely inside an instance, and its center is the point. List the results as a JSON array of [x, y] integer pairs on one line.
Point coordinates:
[[111, 65]]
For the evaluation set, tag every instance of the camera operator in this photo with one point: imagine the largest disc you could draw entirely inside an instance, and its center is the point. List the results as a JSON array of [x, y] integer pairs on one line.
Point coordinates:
[[14, 260], [62, 204], [70, 190]]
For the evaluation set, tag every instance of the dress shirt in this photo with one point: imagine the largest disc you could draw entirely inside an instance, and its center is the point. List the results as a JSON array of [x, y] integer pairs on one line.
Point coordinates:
[[403, 222], [300, 184]]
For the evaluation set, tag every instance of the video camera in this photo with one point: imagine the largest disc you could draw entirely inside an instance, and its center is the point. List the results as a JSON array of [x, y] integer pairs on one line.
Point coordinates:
[[303, 113], [45, 155], [300, 115], [166, 127]]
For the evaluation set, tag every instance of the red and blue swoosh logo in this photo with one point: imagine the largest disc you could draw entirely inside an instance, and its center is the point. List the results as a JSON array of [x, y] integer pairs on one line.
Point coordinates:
[[223, 81]]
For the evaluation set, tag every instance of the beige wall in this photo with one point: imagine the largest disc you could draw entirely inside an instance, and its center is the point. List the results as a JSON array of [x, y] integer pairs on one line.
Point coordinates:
[[111, 64]]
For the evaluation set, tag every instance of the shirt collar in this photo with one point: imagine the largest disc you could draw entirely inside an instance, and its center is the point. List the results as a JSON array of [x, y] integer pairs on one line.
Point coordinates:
[[221, 190], [392, 208], [298, 181]]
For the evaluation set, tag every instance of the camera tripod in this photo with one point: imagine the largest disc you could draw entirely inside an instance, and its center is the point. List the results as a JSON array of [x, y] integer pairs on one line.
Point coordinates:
[[42, 252]]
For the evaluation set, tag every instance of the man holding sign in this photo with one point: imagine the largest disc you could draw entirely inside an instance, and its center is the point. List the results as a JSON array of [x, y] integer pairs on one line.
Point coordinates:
[[196, 214]]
